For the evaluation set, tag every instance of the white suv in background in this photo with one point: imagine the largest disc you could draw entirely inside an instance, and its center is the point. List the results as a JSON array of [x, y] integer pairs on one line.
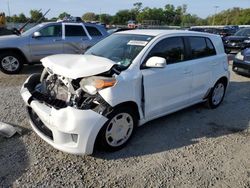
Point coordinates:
[[126, 80]]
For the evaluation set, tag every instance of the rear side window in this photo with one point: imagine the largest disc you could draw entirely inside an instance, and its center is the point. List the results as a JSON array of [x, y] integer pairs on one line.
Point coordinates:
[[93, 31], [201, 47], [210, 47], [172, 49], [74, 31]]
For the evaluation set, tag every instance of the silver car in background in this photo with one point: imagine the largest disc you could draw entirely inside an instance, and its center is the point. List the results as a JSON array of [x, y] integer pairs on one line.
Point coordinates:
[[47, 39]]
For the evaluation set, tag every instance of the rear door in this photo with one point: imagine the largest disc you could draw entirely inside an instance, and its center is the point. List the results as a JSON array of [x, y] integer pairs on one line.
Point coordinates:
[[76, 38], [203, 60], [167, 89], [49, 43]]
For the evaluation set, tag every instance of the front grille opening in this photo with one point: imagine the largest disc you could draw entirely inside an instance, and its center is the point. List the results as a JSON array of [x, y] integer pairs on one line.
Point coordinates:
[[39, 124], [56, 103]]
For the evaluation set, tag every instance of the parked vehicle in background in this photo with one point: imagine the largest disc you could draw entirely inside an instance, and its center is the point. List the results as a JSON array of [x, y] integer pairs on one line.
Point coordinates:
[[125, 80], [198, 29], [47, 39], [223, 31], [239, 41], [115, 30], [132, 24], [241, 62]]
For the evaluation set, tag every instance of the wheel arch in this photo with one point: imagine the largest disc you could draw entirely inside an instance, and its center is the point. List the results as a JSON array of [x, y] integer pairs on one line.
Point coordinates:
[[130, 104], [14, 50], [224, 80]]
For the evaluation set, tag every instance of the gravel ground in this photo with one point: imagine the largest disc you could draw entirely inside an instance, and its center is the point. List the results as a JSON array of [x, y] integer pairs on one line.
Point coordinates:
[[195, 147]]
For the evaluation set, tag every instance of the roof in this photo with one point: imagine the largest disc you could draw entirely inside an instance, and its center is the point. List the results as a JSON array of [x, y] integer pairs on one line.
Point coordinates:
[[158, 32]]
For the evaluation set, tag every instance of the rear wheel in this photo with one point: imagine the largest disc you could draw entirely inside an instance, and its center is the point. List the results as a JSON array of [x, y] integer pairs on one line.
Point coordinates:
[[11, 63], [119, 129], [216, 95]]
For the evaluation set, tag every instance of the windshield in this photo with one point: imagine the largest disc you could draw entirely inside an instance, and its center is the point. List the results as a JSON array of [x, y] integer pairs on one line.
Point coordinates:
[[32, 30], [120, 48], [243, 32]]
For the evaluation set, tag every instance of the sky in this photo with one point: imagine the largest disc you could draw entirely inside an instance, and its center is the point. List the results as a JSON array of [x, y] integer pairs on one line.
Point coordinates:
[[202, 8]]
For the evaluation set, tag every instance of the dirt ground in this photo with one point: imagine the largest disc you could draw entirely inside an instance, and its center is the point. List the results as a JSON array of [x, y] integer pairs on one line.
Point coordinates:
[[195, 147]]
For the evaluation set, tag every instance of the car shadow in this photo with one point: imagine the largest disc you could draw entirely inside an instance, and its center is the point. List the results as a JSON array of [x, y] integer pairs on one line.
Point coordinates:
[[187, 127], [13, 160]]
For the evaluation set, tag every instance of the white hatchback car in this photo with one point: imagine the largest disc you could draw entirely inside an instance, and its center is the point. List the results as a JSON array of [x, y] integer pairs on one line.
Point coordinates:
[[126, 80]]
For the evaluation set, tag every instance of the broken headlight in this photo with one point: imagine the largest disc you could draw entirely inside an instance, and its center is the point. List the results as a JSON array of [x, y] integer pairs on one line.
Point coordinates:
[[93, 84]]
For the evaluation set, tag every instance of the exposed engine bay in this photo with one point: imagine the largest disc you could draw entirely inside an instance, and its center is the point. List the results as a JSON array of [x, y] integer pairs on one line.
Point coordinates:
[[82, 93]]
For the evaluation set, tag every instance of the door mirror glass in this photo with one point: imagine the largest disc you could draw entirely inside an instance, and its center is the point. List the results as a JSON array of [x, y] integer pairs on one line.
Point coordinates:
[[156, 62], [37, 35]]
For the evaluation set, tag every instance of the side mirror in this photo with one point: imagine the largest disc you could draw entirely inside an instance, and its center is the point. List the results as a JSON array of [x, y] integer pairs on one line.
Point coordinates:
[[37, 34], [156, 62]]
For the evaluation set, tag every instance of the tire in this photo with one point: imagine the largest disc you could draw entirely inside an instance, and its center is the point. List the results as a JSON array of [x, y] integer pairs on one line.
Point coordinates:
[[111, 134], [216, 95], [11, 63]]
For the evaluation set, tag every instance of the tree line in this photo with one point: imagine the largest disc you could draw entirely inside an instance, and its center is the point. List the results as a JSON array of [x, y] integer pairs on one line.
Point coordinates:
[[168, 15]]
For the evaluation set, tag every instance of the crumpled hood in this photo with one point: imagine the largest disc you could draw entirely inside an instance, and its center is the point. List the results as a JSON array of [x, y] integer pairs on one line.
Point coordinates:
[[77, 66]]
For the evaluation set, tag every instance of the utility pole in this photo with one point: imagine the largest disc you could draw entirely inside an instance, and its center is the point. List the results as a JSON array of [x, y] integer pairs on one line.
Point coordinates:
[[8, 2], [216, 7]]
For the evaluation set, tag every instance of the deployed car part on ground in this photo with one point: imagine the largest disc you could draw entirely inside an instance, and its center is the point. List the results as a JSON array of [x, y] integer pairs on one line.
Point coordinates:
[[129, 78], [7, 130], [241, 62], [47, 39]]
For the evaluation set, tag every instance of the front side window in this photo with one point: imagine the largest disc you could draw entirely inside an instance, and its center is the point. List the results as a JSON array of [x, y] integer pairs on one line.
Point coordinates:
[[52, 31], [120, 48], [172, 49], [74, 31]]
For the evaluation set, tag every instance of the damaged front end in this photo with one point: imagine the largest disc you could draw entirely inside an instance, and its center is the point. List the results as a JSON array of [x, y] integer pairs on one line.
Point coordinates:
[[82, 93], [67, 113]]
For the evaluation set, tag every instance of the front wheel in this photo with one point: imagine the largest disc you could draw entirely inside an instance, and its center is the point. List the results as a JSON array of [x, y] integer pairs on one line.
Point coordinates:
[[11, 63], [216, 95], [118, 130]]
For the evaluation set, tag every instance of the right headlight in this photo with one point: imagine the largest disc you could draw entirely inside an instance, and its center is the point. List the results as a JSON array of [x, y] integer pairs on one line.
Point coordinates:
[[94, 84], [239, 56]]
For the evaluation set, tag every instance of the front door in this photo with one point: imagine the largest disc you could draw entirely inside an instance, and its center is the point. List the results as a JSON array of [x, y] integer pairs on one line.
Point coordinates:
[[167, 89], [49, 43]]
